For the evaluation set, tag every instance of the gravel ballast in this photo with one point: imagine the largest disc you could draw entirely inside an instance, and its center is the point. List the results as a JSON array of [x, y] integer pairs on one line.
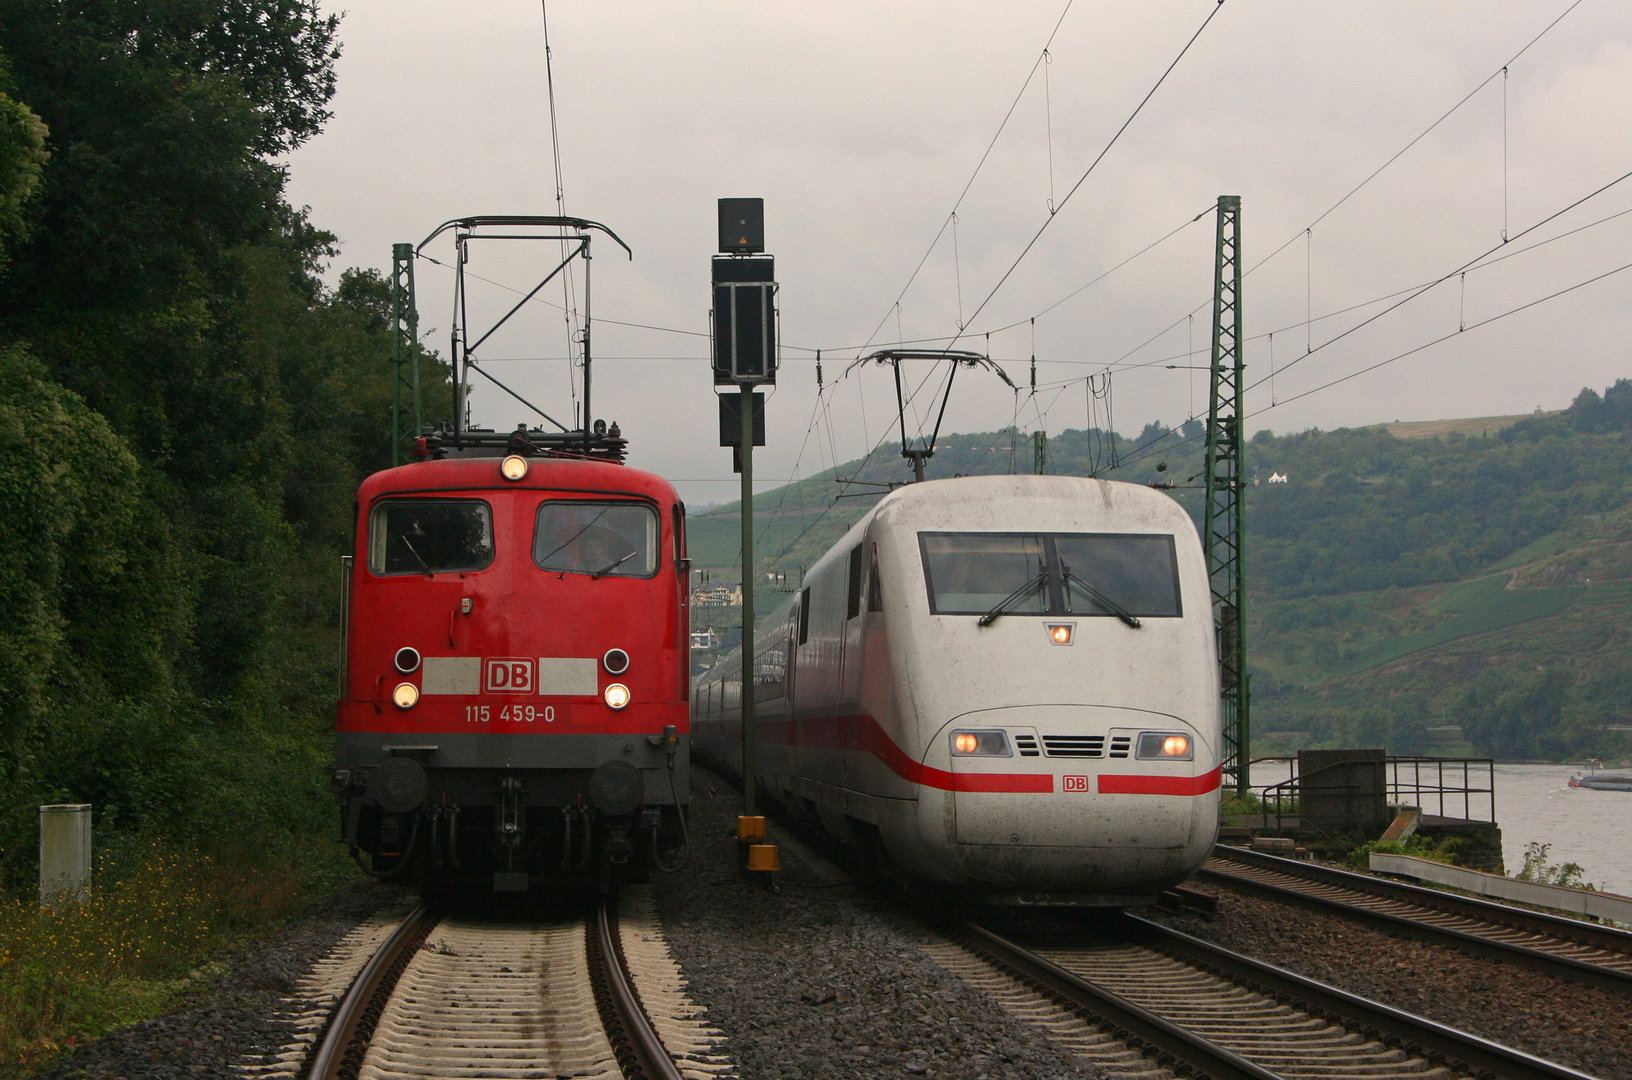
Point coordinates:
[[818, 982], [1583, 1027], [825, 978], [236, 1019]]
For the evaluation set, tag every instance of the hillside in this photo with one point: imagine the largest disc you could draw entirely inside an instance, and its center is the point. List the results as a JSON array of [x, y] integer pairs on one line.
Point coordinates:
[[1435, 593]]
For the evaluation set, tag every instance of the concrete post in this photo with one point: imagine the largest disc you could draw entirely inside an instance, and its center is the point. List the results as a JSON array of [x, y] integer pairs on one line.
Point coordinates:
[[65, 854]]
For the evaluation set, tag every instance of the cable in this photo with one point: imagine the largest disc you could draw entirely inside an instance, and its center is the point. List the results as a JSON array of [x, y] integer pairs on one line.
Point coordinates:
[[1456, 333], [1399, 153], [1374, 173], [1441, 280], [1153, 244], [971, 181], [1095, 163], [569, 303], [1141, 455]]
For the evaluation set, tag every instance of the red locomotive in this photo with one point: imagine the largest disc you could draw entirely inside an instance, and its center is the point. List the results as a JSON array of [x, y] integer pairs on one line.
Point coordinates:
[[515, 666]]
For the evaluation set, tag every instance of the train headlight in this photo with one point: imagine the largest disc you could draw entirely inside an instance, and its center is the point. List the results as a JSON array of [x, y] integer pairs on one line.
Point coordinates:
[[980, 744], [1168, 745], [617, 695], [406, 695], [514, 467], [1060, 632]]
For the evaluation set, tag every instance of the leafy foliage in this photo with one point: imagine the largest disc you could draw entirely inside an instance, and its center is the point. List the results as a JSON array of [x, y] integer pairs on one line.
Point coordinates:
[[188, 410], [1538, 869]]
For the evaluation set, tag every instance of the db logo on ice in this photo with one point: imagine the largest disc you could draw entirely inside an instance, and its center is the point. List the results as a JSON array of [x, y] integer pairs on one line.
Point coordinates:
[[508, 675], [1074, 783]]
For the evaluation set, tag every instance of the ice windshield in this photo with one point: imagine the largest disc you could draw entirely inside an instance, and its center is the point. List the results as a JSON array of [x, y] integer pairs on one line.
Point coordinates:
[[602, 539], [1103, 572], [1114, 574], [430, 536], [970, 573]]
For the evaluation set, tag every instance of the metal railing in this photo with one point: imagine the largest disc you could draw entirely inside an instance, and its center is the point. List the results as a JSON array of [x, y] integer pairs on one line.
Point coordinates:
[[1414, 791], [1431, 784]]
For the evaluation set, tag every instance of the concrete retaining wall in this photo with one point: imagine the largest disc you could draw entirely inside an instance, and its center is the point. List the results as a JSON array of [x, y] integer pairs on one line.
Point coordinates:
[[1579, 901]]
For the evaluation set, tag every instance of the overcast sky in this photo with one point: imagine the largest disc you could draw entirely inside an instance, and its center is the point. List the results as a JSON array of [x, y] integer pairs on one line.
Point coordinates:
[[861, 123]]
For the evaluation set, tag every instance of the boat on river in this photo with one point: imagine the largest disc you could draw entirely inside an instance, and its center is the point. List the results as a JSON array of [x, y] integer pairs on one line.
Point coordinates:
[[1603, 781]]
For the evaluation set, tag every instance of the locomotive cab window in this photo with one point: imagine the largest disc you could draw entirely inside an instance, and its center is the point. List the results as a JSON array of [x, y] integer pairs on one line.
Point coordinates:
[[1100, 573], [970, 573], [601, 539], [429, 536], [1112, 574]]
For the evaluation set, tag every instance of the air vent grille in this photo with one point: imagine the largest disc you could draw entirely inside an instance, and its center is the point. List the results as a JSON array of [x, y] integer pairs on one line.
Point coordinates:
[[1078, 746], [1027, 745], [1119, 745]]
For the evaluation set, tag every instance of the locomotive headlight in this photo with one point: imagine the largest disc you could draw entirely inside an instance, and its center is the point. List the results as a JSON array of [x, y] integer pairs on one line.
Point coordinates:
[[980, 744], [514, 467], [406, 695], [1060, 632], [1172, 746], [617, 695]]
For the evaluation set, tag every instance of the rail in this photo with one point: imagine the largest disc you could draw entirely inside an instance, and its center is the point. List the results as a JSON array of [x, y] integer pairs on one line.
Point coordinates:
[[634, 1042], [1564, 948], [349, 1029], [1179, 1023]]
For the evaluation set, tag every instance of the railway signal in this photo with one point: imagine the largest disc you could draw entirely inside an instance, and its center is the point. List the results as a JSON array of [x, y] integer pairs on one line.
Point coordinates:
[[745, 355]]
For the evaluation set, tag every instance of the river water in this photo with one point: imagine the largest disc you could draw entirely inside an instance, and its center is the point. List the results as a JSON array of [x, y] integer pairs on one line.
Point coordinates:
[[1535, 804]]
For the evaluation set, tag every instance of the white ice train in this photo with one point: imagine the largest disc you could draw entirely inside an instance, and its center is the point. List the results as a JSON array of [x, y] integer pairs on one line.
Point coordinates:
[[1005, 685]]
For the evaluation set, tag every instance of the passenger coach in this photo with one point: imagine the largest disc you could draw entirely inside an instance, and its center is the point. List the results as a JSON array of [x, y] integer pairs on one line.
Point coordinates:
[[1007, 684]]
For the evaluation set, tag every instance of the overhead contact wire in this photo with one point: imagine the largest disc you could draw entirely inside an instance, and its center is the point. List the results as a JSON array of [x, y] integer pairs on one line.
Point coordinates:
[[1095, 163]]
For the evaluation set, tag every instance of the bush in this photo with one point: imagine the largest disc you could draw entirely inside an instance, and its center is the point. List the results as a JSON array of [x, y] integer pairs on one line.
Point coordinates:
[[1538, 869], [156, 913]]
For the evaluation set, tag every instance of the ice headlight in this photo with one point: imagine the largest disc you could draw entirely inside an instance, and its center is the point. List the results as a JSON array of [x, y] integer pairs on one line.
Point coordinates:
[[980, 744], [1060, 632], [514, 467], [406, 695], [1169, 745], [616, 695]]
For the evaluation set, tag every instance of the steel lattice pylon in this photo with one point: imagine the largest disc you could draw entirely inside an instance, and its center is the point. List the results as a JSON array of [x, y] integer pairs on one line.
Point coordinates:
[[1222, 533], [405, 412]]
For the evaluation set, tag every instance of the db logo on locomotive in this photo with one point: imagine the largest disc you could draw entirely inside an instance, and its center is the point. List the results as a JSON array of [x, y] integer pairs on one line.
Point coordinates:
[[1074, 783], [508, 675]]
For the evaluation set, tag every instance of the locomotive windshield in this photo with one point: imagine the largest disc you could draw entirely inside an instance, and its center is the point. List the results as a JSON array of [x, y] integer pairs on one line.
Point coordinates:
[[969, 573], [601, 539], [1112, 574], [430, 536]]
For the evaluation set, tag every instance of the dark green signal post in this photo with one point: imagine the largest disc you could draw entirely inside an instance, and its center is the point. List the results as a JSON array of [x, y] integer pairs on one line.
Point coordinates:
[[405, 411], [745, 355], [1221, 527]]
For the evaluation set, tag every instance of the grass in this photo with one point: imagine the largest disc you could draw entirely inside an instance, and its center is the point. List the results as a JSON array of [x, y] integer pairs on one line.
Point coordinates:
[[152, 930]]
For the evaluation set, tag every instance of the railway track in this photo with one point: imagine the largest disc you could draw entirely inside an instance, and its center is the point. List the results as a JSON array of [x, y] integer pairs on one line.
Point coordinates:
[[450, 996], [1567, 948], [1178, 1006]]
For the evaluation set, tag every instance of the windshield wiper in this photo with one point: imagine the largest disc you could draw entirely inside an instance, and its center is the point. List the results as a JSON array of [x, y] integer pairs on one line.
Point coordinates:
[[603, 571], [1103, 601], [417, 556], [1009, 601]]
